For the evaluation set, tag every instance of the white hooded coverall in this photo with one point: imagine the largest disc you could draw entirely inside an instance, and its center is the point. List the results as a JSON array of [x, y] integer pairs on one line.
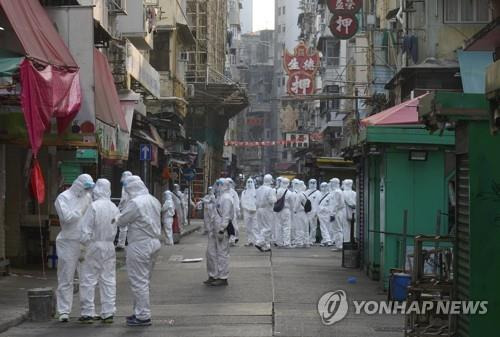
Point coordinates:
[[122, 235], [179, 205], [237, 211], [325, 211], [218, 238], [70, 206], [314, 195], [143, 216], [266, 197], [208, 208], [249, 206], [284, 235], [350, 208], [99, 266], [167, 216], [338, 212], [300, 220]]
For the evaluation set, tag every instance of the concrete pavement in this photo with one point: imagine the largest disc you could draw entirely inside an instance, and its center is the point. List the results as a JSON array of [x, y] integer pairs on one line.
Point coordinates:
[[268, 294]]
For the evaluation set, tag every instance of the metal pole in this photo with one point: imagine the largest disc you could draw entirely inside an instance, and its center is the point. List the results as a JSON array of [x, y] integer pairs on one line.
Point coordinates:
[[189, 203], [405, 232]]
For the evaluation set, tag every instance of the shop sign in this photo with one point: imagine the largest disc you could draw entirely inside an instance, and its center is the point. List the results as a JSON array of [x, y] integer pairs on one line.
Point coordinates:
[[344, 23], [351, 6], [301, 67]]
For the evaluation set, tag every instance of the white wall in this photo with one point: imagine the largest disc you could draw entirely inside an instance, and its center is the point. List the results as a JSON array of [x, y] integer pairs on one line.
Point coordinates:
[[246, 16]]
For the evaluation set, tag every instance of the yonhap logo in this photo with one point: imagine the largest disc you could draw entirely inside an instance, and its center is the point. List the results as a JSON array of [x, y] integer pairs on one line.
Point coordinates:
[[333, 307]]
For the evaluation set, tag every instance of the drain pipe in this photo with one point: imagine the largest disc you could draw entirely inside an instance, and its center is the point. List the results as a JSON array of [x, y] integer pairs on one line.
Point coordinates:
[[402, 20]]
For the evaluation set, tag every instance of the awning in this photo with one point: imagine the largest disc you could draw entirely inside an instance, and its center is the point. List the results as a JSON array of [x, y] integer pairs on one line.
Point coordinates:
[[36, 33], [404, 113], [9, 62], [107, 102], [487, 39]]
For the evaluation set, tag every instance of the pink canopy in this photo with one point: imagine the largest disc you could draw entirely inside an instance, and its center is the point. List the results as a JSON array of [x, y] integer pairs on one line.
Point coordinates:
[[404, 113], [108, 106]]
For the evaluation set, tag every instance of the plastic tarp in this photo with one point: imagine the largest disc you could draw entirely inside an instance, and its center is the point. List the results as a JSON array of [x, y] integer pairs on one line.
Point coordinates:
[[36, 32], [404, 113], [50, 81], [108, 106], [50, 92]]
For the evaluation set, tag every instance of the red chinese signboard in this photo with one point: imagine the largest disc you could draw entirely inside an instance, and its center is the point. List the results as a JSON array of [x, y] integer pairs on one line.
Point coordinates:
[[255, 121], [351, 6], [344, 23], [301, 68], [344, 26]]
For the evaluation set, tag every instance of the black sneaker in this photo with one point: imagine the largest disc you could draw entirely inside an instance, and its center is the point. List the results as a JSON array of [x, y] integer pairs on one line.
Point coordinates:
[[108, 320], [219, 283], [210, 280], [86, 319], [259, 248], [131, 317], [139, 322]]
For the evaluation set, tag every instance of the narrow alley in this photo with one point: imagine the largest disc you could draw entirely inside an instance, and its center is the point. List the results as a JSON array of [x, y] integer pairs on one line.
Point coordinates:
[[268, 295]]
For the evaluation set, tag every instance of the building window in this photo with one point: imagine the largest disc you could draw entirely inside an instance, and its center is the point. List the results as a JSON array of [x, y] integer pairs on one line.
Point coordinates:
[[283, 10], [466, 11], [279, 11], [283, 28], [268, 134], [332, 52], [285, 155], [283, 81]]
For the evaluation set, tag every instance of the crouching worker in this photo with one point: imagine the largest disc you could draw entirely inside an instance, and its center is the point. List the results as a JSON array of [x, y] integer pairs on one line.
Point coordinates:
[[99, 266]]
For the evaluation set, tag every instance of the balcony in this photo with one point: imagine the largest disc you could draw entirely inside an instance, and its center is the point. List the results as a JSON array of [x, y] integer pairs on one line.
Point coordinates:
[[141, 71], [139, 23]]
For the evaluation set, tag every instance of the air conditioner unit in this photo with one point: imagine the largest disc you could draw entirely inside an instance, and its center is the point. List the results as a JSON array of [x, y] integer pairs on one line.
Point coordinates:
[[190, 90], [117, 7]]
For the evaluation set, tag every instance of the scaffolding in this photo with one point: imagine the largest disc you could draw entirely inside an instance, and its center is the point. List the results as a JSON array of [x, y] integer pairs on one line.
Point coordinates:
[[207, 21]]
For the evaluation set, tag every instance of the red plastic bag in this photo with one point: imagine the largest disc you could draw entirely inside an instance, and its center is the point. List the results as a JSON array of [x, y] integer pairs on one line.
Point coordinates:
[[37, 182]]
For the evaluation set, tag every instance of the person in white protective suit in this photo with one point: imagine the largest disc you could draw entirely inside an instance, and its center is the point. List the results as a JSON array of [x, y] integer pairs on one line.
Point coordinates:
[[99, 266], [167, 217], [208, 208], [325, 212], [143, 216], [122, 233], [179, 205], [218, 238], [293, 188], [314, 195], [299, 218], [249, 207], [284, 238], [211, 256], [233, 240], [338, 213], [266, 197], [350, 208], [187, 204], [276, 223], [70, 206]]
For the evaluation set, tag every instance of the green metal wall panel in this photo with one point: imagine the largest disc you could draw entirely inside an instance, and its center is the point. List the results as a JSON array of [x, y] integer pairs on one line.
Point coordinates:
[[416, 186], [407, 135], [484, 163]]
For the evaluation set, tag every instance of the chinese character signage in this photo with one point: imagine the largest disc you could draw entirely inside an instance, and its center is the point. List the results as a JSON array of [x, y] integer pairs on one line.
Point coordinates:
[[344, 23], [301, 68], [351, 6]]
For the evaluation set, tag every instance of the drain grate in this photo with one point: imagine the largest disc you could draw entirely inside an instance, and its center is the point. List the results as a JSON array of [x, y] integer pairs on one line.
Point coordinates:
[[388, 329]]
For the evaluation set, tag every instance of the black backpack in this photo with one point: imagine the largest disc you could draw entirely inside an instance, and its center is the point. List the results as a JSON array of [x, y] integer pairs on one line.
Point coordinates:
[[307, 205], [280, 203]]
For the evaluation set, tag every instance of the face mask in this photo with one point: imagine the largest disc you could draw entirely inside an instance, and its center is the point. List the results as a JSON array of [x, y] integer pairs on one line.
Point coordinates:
[[88, 185]]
